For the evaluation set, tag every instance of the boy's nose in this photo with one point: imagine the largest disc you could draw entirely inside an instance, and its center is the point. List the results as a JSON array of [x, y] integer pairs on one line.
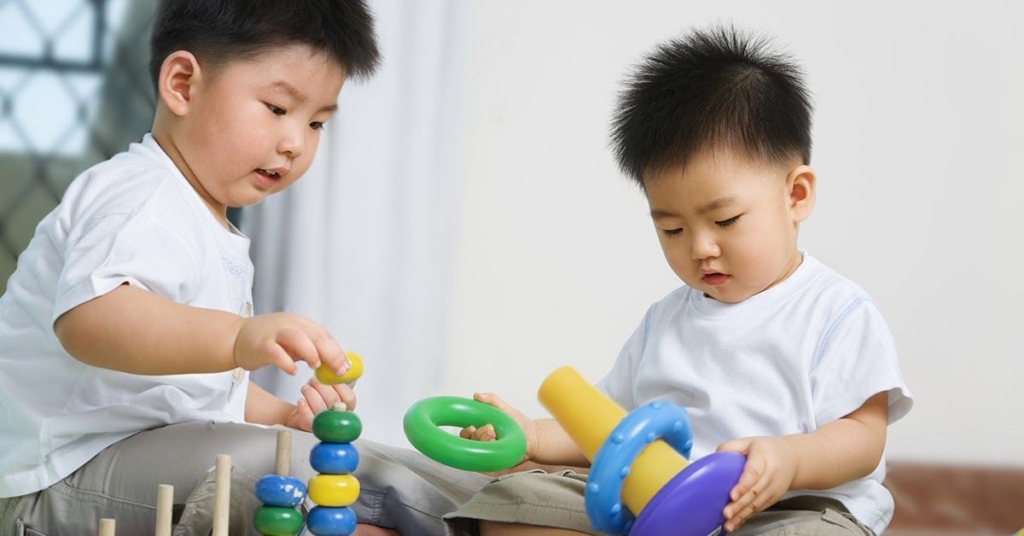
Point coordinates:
[[292, 144], [704, 247]]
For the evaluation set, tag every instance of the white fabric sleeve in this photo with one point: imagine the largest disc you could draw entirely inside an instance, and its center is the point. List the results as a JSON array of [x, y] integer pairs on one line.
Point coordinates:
[[618, 383], [125, 248], [857, 360]]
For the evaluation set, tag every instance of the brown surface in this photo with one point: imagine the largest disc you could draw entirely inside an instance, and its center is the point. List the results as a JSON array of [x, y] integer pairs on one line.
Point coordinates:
[[954, 499]]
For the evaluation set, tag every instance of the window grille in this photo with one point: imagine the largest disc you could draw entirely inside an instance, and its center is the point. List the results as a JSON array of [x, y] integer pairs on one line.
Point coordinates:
[[74, 90]]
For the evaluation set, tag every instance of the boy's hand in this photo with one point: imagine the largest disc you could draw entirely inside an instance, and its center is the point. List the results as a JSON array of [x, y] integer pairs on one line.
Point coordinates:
[[317, 397], [281, 339], [486, 432], [769, 472]]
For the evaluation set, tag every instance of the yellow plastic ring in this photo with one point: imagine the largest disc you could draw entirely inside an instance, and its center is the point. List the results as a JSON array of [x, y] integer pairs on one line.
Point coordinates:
[[333, 490]]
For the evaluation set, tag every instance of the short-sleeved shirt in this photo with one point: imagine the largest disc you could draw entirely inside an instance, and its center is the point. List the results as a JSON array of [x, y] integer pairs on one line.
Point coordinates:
[[133, 219], [789, 360]]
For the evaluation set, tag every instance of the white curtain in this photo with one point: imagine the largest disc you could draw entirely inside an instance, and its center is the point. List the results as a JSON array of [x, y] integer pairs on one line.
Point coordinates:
[[363, 242]]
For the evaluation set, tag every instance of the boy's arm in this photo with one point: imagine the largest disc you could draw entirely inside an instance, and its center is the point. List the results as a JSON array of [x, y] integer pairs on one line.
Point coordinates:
[[838, 452], [843, 450], [555, 447], [261, 407], [139, 332]]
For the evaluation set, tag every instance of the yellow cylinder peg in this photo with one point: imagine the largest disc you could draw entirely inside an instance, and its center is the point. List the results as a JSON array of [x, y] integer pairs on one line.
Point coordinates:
[[588, 416], [325, 376], [333, 490]]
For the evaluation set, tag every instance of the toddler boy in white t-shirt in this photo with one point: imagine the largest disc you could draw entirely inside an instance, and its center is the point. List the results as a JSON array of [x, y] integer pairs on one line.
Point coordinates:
[[126, 332], [773, 354]]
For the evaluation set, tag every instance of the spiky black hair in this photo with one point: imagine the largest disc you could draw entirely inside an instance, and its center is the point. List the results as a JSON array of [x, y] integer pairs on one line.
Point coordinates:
[[711, 88]]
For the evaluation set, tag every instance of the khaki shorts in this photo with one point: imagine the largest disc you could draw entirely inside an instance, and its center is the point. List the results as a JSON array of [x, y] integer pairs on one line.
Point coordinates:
[[400, 489], [556, 500]]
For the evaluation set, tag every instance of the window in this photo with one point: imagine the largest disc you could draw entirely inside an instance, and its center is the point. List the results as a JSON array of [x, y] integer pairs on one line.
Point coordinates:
[[74, 90]]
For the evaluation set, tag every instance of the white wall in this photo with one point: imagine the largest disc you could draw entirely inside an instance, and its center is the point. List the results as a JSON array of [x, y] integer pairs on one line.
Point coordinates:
[[918, 126]]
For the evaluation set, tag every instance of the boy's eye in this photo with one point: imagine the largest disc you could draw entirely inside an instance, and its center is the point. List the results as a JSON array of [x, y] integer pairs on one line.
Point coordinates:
[[276, 110], [672, 232], [728, 222], [317, 125]]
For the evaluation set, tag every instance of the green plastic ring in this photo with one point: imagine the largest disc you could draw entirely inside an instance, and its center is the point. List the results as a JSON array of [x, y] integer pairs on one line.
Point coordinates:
[[422, 426]]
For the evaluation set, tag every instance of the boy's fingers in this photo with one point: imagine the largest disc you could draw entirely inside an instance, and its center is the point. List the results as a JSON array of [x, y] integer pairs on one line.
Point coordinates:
[[280, 359], [327, 393], [313, 398], [490, 399], [485, 433], [346, 395], [748, 480], [742, 493], [741, 446], [330, 353], [738, 512], [467, 432], [752, 502], [493, 400], [299, 346]]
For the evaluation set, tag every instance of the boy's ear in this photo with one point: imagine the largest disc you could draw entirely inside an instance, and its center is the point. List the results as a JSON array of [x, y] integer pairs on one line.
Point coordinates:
[[179, 75], [800, 184]]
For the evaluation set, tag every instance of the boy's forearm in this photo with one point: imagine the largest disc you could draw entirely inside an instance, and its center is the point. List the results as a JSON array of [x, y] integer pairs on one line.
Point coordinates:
[[261, 407], [555, 447], [844, 450], [136, 331]]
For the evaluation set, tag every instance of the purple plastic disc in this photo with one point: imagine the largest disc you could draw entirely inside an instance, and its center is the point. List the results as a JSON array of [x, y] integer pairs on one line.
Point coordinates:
[[691, 503]]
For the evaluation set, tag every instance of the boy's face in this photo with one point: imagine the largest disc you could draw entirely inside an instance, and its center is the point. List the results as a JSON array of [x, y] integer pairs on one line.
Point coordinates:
[[251, 127], [727, 224]]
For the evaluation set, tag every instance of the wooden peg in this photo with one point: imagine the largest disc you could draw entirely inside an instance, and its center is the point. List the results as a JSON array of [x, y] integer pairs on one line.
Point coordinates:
[[164, 509], [222, 495]]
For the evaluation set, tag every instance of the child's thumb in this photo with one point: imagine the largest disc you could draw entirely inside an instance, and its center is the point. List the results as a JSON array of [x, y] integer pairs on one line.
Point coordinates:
[[741, 446]]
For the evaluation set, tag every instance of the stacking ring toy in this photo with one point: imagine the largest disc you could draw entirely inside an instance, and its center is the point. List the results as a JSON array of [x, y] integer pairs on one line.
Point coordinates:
[[668, 495], [422, 426], [603, 495]]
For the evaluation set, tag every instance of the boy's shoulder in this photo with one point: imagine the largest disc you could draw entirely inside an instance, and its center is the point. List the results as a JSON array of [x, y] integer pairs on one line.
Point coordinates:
[[121, 185], [828, 284]]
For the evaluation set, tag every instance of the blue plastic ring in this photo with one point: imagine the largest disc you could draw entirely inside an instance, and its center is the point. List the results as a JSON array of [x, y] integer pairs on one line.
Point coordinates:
[[334, 458], [641, 427], [328, 521], [280, 491]]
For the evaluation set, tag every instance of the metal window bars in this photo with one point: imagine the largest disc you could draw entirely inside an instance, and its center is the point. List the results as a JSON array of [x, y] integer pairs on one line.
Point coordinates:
[[74, 90]]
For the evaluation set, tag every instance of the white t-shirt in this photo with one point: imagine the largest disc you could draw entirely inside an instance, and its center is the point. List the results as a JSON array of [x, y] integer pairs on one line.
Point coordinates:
[[801, 354], [132, 219]]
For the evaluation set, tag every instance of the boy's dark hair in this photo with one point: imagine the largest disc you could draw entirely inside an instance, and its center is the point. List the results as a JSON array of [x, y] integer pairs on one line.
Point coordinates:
[[708, 89], [219, 31]]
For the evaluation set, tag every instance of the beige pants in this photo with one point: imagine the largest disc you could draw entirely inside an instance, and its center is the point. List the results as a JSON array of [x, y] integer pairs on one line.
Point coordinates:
[[400, 489], [556, 500]]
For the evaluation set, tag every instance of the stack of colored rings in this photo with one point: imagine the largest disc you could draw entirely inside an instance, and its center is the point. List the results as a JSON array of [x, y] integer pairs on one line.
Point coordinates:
[[334, 489], [280, 494]]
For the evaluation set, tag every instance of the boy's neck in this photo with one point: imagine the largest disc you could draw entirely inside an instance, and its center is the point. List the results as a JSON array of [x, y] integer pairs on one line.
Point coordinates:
[[164, 138]]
